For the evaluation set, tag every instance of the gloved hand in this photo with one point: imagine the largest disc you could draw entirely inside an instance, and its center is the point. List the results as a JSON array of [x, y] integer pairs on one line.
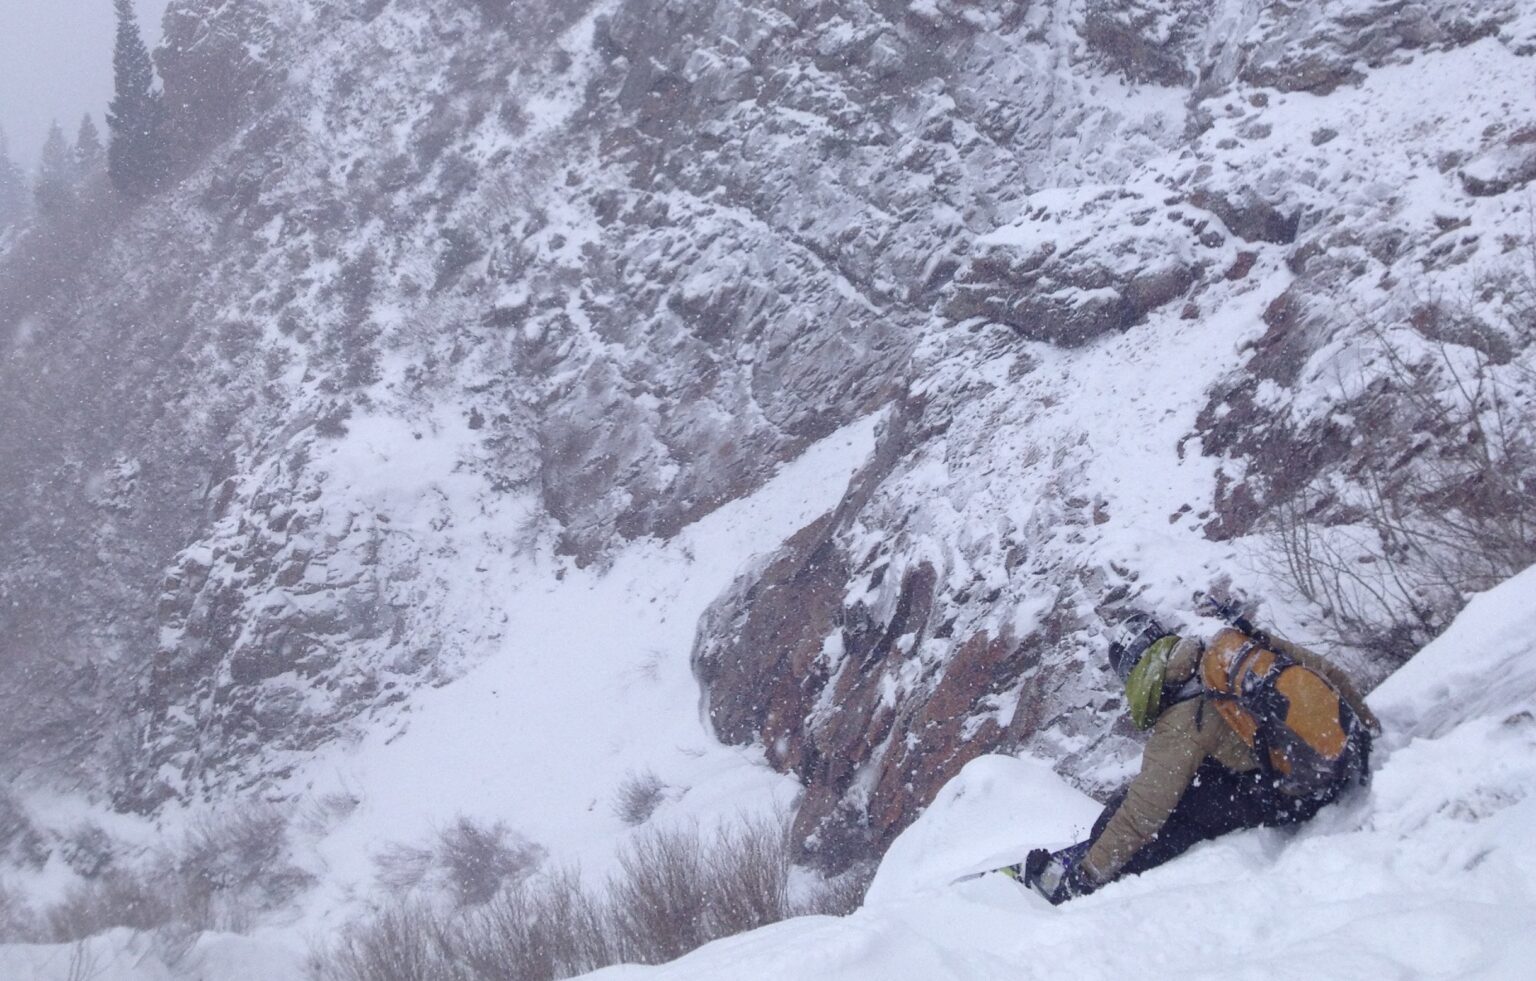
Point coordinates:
[[1058, 876], [1226, 608], [1368, 719]]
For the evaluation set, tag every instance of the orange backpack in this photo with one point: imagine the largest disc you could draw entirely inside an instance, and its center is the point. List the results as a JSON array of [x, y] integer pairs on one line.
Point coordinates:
[[1303, 733]]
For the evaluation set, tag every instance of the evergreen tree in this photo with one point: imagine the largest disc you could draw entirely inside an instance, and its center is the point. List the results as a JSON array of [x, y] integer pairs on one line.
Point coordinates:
[[89, 154], [13, 188], [136, 157], [54, 189]]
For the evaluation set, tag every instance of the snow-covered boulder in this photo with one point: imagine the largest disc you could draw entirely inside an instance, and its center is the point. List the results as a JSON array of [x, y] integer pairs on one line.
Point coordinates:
[[1083, 263], [1316, 47], [1503, 167], [991, 815]]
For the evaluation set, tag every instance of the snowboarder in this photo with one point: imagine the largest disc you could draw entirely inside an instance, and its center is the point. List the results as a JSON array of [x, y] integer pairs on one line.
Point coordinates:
[[1246, 730]]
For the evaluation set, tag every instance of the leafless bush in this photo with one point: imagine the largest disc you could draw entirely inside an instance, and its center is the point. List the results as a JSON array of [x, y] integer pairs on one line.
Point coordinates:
[[137, 899], [1394, 552], [639, 796], [660, 902], [88, 850], [837, 896], [226, 870], [401, 868], [471, 859], [234, 863], [408, 941], [748, 876], [578, 937], [478, 858], [320, 814], [556, 930], [674, 890]]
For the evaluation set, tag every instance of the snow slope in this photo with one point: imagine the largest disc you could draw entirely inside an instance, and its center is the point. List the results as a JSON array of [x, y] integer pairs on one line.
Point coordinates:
[[1429, 874], [756, 289], [593, 678]]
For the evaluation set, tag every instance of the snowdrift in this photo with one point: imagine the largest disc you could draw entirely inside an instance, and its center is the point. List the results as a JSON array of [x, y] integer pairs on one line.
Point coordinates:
[[1429, 873]]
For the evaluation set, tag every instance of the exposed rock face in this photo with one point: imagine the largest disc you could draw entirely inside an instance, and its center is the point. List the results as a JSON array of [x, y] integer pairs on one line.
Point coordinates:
[[1077, 267], [960, 608], [1249, 216], [458, 281], [1307, 48], [1147, 40], [875, 670], [1502, 168], [300, 616]]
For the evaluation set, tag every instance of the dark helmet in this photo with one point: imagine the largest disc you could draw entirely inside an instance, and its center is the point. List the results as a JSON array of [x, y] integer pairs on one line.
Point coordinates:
[[1135, 634]]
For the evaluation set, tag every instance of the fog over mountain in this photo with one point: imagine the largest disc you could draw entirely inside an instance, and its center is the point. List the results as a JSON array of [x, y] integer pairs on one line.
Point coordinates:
[[56, 64], [485, 435]]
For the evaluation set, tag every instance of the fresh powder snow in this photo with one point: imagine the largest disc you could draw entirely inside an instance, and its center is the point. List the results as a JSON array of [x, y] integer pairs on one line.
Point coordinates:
[[1429, 873], [593, 678]]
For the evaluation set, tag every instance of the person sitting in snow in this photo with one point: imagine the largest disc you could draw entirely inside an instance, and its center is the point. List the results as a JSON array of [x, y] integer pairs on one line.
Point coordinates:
[[1247, 730]]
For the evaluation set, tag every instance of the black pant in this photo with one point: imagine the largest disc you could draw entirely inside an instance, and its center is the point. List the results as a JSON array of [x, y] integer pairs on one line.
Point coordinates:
[[1216, 802]]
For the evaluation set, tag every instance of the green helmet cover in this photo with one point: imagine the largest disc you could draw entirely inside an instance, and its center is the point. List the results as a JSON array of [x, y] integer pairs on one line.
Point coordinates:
[[1144, 685]]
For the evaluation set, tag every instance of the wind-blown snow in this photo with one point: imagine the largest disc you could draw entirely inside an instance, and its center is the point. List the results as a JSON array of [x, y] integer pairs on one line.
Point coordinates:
[[593, 679], [784, 258], [1429, 873], [961, 834]]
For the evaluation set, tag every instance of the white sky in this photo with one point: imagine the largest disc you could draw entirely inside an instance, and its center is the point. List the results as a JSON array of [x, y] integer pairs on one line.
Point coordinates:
[[56, 63]]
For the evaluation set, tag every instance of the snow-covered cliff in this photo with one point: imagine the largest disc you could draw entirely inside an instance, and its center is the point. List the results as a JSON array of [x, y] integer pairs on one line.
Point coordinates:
[[1426, 873], [455, 302]]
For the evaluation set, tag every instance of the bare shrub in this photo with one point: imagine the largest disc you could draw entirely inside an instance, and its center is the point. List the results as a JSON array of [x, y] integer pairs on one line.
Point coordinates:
[[320, 814], [407, 941], [137, 899], [478, 858], [674, 890], [401, 868], [678, 890], [579, 939], [660, 902], [748, 870], [226, 870], [1393, 550], [235, 863], [471, 860], [556, 930], [88, 850], [838, 896], [531, 932], [639, 796]]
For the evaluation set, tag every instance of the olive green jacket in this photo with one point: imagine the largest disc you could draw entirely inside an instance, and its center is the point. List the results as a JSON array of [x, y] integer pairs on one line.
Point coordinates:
[[1182, 738]]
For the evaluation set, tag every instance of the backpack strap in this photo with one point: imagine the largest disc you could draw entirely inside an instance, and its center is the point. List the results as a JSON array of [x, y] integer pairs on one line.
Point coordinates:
[[1282, 709], [1226, 685]]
